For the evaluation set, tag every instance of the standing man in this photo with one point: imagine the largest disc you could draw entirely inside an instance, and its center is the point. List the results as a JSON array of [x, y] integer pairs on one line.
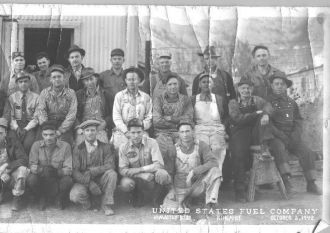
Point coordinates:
[[222, 82], [94, 170], [75, 56], [23, 104], [58, 103], [50, 163], [260, 72], [42, 76], [141, 165], [288, 129], [113, 79], [8, 82], [158, 80], [14, 171]]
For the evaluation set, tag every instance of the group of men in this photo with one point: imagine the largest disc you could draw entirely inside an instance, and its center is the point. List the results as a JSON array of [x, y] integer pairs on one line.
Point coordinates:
[[73, 134]]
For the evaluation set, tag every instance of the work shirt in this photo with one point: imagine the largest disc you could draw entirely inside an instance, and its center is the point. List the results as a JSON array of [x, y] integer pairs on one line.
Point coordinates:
[[112, 82], [43, 79], [93, 108], [126, 107], [58, 106], [147, 153], [59, 158]]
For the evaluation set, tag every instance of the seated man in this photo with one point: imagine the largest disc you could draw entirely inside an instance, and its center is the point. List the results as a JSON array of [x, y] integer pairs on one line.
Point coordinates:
[[13, 171], [141, 165], [210, 115], [93, 170], [249, 118], [196, 170], [168, 109], [58, 103], [287, 128], [23, 104], [50, 163], [93, 103], [130, 103]]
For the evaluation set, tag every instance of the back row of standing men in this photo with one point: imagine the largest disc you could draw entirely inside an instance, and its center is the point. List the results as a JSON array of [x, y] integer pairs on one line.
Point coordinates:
[[191, 132]]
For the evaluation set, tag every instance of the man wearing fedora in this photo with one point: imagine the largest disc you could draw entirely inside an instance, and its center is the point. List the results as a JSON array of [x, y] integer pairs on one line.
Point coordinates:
[[130, 103], [158, 80], [93, 171], [42, 75], [75, 56], [113, 79], [93, 103], [8, 82], [288, 129], [14, 172], [222, 82], [23, 104], [58, 103]]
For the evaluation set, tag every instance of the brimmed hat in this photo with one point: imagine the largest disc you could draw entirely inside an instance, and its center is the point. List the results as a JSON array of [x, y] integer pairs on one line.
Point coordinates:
[[281, 75], [134, 69], [51, 124], [3, 123], [165, 54], [88, 72], [245, 81], [58, 68], [87, 123], [209, 51], [21, 75], [117, 52], [75, 48], [17, 54], [185, 122]]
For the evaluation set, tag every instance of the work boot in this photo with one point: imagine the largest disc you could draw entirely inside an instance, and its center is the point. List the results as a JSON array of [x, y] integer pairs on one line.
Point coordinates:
[[312, 188], [288, 185], [42, 203], [138, 198], [108, 210], [87, 205], [17, 203], [59, 202], [158, 195]]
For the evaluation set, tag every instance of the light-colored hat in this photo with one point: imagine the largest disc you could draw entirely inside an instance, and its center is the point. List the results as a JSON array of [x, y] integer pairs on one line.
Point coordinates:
[[165, 54], [87, 123]]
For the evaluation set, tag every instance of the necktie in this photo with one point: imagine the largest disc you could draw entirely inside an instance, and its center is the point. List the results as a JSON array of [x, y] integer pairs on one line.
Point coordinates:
[[24, 113]]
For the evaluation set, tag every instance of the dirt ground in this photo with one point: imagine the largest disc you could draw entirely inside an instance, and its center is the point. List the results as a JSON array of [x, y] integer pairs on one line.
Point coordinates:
[[268, 208]]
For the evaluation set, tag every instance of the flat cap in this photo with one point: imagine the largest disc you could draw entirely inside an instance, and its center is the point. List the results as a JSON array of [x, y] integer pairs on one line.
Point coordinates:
[[51, 124], [3, 123], [88, 72], [58, 68], [117, 52], [17, 54], [75, 48], [204, 75], [165, 54], [91, 122], [21, 75], [244, 81]]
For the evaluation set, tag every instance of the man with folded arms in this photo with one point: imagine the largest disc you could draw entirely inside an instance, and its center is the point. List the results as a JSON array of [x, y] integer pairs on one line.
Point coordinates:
[[93, 170]]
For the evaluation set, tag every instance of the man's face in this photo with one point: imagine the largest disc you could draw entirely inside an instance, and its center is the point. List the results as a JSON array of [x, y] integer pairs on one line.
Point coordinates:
[[75, 58], [132, 81], [245, 90], [90, 82], [19, 63], [186, 133], [204, 84], [136, 134], [164, 64], [279, 86], [49, 136], [172, 86], [3, 134], [210, 62], [23, 84], [117, 62], [90, 133], [261, 57], [43, 63], [57, 79]]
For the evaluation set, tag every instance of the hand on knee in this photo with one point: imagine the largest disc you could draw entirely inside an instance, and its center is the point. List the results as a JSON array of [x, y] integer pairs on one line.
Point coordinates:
[[127, 184]]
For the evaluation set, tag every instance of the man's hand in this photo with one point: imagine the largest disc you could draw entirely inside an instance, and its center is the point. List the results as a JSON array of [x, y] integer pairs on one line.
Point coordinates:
[[147, 176], [86, 177], [5, 178], [167, 118], [259, 112], [58, 133], [264, 120], [34, 169], [189, 177], [79, 131], [21, 133], [127, 134], [133, 171]]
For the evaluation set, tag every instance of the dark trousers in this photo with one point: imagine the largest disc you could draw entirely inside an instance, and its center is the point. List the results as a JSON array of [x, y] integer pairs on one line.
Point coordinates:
[[28, 140]]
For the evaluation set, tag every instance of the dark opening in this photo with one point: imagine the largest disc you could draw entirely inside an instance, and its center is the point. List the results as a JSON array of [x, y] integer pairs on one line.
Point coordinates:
[[54, 41]]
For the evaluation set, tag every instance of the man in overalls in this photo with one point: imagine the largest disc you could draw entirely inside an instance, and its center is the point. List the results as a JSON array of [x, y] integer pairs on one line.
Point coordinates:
[[249, 118]]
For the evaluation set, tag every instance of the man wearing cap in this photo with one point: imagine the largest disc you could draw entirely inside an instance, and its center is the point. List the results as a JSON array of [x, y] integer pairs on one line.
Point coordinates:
[[196, 170], [23, 104], [142, 167], [130, 103], [260, 71], [168, 109], [14, 171], [158, 80], [58, 103], [50, 163], [8, 82], [75, 56], [222, 82], [93, 103], [287, 123], [210, 118], [249, 126], [93, 170], [113, 79], [42, 76]]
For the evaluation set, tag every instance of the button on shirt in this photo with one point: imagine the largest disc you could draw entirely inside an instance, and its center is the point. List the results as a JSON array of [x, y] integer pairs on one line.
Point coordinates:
[[112, 82], [93, 108]]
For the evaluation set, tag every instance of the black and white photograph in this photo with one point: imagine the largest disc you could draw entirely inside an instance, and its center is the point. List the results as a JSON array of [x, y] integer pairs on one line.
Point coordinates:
[[146, 117]]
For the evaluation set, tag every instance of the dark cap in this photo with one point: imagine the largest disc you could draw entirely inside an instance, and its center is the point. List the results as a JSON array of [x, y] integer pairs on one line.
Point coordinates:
[[185, 122], [165, 54], [21, 75], [87, 123], [204, 75], [57, 67], [136, 70], [88, 72], [42, 55], [117, 52], [281, 75], [74, 48], [17, 54], [51, 124], [245, 81], [3, 123], [170, 76], [258, 47], [209, 51], [135, 122]]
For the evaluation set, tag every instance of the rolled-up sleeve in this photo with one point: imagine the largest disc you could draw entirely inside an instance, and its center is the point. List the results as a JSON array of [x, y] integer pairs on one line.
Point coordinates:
[[71, 116], [123, 161]]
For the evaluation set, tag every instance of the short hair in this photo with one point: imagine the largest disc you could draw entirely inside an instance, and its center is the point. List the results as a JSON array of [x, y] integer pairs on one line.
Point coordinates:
[[172, 76], [257, 47], [135, 122], [185, 122], [42, 55]]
